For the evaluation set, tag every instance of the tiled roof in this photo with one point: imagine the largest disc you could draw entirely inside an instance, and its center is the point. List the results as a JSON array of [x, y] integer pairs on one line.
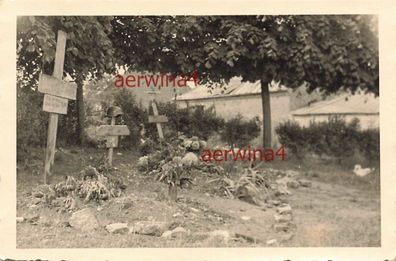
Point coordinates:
[[234, 88], [343, 104]]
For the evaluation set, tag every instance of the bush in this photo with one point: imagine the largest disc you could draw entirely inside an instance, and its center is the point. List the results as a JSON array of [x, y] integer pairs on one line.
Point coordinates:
[[198, 122], [134, 116], [370, 144], [68, 124], [32, 122], [335, 138], [239, 131]]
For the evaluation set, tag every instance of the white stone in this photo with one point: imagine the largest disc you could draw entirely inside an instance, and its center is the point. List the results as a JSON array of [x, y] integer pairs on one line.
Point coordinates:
[[222, 234], [284, 209], [151, 228], [283, 218], [84, 220], [117, 228], [167, 234]]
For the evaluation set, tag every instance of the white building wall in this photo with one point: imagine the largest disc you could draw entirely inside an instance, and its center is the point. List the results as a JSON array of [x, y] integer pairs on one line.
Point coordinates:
[[249, 106]]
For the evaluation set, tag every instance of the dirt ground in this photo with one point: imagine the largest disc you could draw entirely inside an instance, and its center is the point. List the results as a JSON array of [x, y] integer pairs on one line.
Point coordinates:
[[339, 210]]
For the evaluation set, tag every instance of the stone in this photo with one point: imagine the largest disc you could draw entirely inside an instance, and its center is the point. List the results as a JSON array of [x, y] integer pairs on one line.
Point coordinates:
[[38, 194], [284, 201], [200, 236], [178, 214], [150, 228], [292, 173], [282, 227], [45, 221], [245, 218], [287, 237], [223, 235], [293, 184], [37, 201], [32, 218], [167, 234], [84, 220], [117, 228], [126, 205], [305, 183], [177, 232], [190, 159], [284, 209], [283, 218], [282, 186], [312, 174], [20, 219], [248, 238], [271, 242]]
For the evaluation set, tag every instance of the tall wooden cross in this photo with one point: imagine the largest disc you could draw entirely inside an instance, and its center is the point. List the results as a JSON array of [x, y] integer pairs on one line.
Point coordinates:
[[157, 119], [56, 94]]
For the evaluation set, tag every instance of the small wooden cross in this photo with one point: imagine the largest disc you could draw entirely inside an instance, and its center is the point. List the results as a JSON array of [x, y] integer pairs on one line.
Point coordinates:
[[157, 119], [112, 131], [56, 94]]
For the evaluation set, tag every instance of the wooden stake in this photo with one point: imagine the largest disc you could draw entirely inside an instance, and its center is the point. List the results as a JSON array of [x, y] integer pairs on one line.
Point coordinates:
[[53, 117], [50, 150], [172, 192], [159, 127], [111, 148]]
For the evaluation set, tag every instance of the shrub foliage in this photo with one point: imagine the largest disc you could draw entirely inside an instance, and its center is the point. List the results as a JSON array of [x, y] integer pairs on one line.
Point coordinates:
[[335, 138], [239, 132], [189, 121]]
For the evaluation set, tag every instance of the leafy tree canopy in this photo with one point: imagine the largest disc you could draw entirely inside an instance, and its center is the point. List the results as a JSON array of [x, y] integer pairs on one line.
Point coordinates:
[[326, 51], [89, 51]]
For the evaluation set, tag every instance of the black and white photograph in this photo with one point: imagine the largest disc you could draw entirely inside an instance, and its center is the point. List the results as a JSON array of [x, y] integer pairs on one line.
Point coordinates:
[[197, 131]]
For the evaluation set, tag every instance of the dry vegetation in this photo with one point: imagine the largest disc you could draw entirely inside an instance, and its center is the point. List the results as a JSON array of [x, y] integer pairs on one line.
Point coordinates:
[[339, 209]]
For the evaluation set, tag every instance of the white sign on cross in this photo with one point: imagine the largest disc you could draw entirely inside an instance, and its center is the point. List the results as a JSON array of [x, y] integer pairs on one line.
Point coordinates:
[[56, 94]]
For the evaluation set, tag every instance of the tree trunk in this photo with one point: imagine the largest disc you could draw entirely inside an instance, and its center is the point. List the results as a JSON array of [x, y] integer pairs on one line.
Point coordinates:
[[265, 101], [80, 113]]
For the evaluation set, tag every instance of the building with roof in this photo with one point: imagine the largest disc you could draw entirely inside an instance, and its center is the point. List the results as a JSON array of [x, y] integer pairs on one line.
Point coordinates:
[[236, 98], [244, 98], [364, 107]]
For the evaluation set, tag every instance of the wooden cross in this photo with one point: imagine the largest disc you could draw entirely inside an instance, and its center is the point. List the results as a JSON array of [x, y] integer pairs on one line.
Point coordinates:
[[56, 94], [157, 119], [112, 131]]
